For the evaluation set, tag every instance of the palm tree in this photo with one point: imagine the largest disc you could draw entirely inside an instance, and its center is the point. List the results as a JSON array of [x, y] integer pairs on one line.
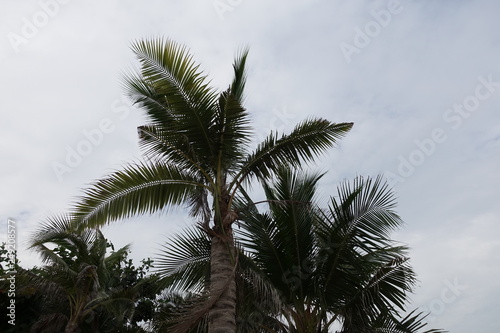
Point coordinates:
[[78, 280], [337, 264], [304, 269], [196, 146]]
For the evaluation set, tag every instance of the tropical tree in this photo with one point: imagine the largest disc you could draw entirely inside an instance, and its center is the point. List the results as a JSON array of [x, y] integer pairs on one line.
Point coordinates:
[[321, 267], [337, 265], [197, 153], [85, 289]]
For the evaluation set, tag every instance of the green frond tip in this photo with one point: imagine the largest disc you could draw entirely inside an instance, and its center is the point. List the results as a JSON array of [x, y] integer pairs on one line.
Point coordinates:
[[168, 81], [238, 85]]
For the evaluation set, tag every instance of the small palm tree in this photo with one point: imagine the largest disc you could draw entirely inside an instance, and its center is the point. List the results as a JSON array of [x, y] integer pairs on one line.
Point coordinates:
[[78, 279], [197, 153]]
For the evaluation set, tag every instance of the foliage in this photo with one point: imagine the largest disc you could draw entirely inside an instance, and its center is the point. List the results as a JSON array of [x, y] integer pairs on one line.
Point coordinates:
[[308, 266], [196, 149], [303, 268], [81, 282]]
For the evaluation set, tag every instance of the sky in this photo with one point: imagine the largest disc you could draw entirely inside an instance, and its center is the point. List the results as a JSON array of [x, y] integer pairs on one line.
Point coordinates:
[[419, 79]]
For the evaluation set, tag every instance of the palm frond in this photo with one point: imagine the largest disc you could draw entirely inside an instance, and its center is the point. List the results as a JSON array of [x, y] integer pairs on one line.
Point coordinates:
[[260, 302], [413, 322], [199, 207], [391, 283], [382, 291], [139, 188], [161, 144], [231, 132], [57, 229], [167, 65], [147, 98], [238, 84], [285, 234], [170, 78], [360, 220], [309, 139], [175, 307], [184, 261]]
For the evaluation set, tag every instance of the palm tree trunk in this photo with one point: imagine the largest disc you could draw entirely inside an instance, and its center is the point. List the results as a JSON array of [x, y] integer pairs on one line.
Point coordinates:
[[222, 315]]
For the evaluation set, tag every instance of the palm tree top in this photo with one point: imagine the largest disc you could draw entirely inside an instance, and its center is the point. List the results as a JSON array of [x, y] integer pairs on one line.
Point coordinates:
[[196, 142]]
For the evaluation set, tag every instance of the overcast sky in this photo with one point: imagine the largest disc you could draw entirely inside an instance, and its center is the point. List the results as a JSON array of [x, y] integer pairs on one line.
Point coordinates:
[[420, 80]]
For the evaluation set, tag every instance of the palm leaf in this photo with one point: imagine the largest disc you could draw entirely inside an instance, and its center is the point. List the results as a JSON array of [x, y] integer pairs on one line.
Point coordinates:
[[231, 131], [184, 261], [173, 91], [284, 236], [161, 144], [238, 84], [360, 219], [139, 188], [413, 322], [309, 139]]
